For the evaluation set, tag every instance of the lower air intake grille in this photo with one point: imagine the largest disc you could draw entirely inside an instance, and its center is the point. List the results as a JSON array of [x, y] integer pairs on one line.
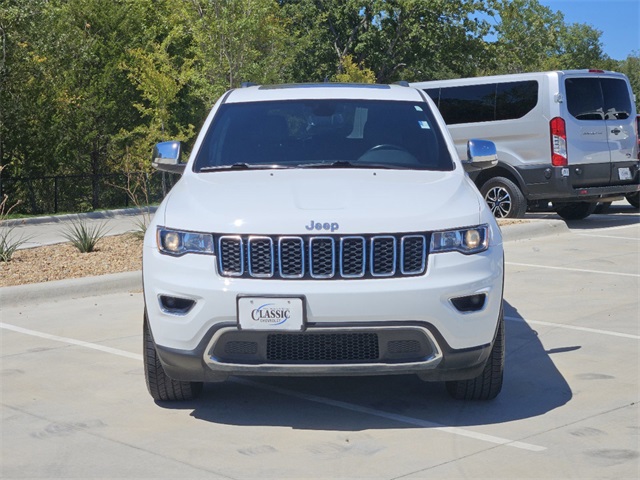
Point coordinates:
[[322, 347]]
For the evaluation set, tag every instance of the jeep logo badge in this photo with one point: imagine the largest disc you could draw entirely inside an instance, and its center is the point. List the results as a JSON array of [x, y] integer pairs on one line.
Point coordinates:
[[332, 227]]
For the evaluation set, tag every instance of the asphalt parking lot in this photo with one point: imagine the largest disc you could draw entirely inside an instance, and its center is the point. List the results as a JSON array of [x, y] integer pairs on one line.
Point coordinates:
[[74, 402]]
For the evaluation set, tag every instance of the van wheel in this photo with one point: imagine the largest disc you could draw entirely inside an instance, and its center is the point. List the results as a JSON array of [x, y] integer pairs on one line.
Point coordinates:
[[160, 386], [488, 384], [505, 199], [576, 210], [634, 199]]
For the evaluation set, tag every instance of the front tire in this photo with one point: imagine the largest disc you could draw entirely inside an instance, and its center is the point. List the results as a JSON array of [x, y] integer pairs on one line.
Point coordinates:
[[576, 210], [488, 384], [160, 386], [504, 197]]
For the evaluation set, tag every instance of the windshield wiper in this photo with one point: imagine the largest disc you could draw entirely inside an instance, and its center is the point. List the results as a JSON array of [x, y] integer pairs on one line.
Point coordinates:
[[336, 164], [239, 166], [347, 164]]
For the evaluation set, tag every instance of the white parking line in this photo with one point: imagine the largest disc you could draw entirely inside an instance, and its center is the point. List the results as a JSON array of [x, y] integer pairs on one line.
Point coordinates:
[[635, 239], [303, 396], [80, 343], [572, 327], [568, 269]]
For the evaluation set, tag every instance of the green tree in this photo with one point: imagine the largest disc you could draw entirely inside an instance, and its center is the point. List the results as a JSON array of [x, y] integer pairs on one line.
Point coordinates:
[[396, 39], [354, 73], [528, 35], [579, 47], [631, 68], [233, 41]]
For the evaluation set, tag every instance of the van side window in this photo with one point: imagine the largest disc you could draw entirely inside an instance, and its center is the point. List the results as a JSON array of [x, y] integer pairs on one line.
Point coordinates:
[[485, 103], [434, 93], [516, 99], [597, 98], [468, 104]]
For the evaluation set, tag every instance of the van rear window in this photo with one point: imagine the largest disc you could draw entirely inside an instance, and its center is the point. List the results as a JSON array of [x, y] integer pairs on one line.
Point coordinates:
[[485, 103], [598, 98]]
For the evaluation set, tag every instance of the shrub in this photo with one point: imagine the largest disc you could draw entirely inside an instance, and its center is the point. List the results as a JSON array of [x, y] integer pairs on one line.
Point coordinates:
[[84, 236], [10, 242]]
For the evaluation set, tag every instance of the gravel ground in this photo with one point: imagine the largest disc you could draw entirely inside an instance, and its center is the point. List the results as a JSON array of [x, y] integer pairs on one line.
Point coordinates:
[[120, 253]]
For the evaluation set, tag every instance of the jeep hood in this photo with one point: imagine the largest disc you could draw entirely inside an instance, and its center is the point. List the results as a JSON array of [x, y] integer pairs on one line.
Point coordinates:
[[357, 201]]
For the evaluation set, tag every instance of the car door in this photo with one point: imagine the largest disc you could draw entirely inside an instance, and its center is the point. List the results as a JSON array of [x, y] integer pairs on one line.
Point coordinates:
[[619, 117], [599, 128]]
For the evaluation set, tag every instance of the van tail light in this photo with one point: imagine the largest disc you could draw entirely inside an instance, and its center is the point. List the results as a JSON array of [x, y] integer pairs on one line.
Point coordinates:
[[558, 142]]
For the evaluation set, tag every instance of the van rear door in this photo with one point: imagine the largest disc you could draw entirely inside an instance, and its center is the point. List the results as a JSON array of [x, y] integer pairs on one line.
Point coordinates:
[[599, 127]]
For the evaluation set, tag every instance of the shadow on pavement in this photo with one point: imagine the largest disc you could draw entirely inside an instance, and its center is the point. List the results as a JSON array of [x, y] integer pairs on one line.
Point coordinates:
[[532, 387], [616, 215]]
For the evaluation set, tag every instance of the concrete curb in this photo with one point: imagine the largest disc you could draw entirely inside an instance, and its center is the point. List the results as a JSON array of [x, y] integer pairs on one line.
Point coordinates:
[[71, 288], [123, 212], [130, 281]]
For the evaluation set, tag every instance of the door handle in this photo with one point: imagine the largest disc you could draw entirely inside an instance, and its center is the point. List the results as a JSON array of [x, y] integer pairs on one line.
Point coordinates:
[[616, 131]]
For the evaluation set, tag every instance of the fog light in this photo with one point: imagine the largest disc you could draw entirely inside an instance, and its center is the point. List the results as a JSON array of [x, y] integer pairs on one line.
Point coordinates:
[[176, 305], [471, 303]]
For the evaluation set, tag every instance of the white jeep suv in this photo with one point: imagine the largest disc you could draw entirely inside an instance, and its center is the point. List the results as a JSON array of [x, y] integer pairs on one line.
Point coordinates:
[[323, 229]]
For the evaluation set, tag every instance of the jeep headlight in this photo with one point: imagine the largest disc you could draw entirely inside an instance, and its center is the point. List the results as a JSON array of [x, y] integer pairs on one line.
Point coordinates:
[[176, 242], [467, 240]]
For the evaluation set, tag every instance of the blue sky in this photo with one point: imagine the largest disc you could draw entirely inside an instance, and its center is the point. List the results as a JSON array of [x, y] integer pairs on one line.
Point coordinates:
[[618, 20]]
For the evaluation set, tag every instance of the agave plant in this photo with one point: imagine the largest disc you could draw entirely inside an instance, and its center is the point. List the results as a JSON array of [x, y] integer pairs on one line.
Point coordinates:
[[10, 242], [84, 236]]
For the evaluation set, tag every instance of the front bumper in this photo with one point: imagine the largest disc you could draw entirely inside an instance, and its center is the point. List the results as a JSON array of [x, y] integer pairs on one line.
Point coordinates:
[[417, 327], [435, 360]]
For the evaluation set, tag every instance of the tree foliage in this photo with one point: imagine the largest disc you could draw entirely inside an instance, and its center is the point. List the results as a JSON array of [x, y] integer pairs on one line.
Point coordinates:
[[88, 86]]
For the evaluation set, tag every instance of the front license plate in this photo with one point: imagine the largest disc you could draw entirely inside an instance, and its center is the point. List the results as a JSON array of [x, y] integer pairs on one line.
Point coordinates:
[[271, 313], [624, 173]]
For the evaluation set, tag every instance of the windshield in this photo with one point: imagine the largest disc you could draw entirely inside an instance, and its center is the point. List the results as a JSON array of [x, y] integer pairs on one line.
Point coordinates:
[[324, 134]]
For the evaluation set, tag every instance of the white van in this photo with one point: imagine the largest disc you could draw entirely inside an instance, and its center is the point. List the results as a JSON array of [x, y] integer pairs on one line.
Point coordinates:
[[563, 137], [323, 230]]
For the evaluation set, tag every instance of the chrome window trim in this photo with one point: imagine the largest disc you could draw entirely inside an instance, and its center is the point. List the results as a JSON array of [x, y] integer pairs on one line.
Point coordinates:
[[424, 255], [271, 256]]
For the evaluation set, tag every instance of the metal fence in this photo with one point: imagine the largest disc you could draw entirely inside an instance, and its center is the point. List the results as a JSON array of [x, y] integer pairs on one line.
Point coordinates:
[[84, 193]]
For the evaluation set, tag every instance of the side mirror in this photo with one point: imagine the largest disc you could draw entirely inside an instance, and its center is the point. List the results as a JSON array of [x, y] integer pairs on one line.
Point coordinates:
[[481, 154], [167, 157]]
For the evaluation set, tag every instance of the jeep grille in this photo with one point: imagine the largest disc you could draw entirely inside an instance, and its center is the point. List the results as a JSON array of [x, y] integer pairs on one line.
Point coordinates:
[[322, 257]]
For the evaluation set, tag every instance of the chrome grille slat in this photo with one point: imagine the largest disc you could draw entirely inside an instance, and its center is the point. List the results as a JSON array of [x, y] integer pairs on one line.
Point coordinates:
[[352, 257], [261, 257], [383, 256], [322, 257], [291, 257], [413, 254], [231, 255]]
